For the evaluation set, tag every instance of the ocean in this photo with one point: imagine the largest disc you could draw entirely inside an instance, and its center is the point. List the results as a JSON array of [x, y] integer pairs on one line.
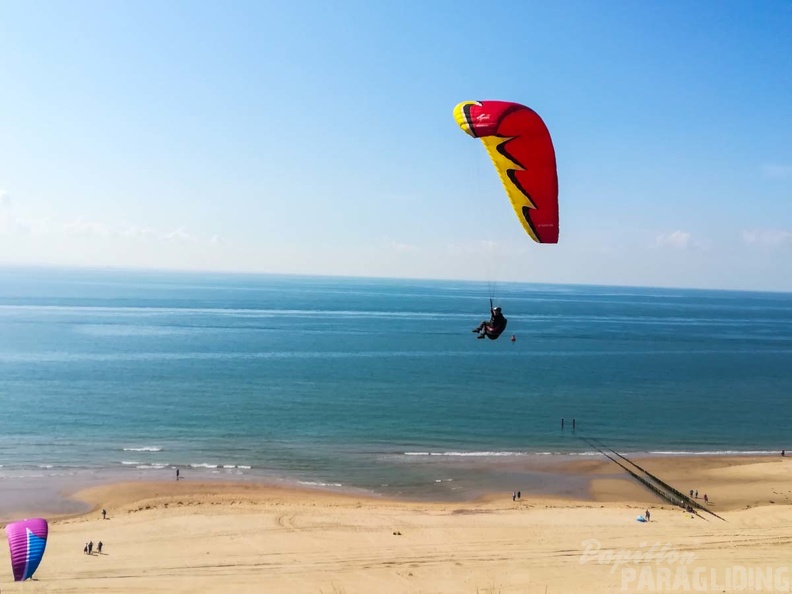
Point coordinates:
[[371, 385]]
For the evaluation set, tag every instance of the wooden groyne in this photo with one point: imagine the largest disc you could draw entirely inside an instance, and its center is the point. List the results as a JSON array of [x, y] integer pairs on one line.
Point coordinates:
[[649, 480]]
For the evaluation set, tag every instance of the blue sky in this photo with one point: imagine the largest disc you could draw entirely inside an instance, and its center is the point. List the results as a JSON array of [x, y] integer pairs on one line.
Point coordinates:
[[318, 137]]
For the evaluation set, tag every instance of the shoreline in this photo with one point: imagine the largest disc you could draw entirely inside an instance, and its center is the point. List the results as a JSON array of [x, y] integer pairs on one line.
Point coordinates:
[[575, 481]]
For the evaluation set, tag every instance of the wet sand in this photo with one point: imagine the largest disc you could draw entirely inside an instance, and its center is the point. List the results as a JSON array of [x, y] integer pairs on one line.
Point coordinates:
[[231, 537]]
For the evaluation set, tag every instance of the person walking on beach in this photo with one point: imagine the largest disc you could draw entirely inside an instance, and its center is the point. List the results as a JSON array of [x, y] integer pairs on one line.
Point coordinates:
[[518, 494], [177, 474], [514, 496], [696, 494], [99, 547], [90, 547], [648, 516], [705, 498], [85, 549], [104, 514]]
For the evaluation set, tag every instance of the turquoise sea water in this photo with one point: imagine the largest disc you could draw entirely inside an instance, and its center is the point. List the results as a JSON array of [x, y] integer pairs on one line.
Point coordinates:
[[373, 384]]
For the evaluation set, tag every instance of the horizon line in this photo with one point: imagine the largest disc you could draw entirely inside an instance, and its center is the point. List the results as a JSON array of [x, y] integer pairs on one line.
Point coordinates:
[[248, 273]]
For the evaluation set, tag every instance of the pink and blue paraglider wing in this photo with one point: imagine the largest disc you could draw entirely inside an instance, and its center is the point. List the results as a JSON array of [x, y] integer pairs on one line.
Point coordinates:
[[27, 540]]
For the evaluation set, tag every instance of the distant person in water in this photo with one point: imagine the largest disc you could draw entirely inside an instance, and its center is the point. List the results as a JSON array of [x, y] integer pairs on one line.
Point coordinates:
[[493, 327], [513, 338]]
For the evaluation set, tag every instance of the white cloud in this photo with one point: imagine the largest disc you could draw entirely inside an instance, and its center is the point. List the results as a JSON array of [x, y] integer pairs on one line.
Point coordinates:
[[680, 240], [478, 246], [777, 171], [767, 237], [401, 248], [180, 234], [140, 233], [84, 228], [12, 225], [9, 223], [6, 215]]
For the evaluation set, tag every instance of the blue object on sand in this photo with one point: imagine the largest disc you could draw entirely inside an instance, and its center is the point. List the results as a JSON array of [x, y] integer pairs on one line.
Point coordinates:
[[641, 519]]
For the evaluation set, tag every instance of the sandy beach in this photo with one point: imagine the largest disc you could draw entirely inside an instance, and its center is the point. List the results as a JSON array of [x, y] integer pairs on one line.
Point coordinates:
[[224, 537]]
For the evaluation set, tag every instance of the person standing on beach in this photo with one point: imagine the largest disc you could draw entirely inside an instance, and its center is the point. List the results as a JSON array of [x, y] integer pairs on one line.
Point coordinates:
[[90, 547], [99, 547], [85, 549], [104, 514], [514, 495], [177, 474], [648, 516]]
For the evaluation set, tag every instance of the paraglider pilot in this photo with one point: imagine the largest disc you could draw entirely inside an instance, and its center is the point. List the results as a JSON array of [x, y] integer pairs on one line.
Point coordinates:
[[493, 327]]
